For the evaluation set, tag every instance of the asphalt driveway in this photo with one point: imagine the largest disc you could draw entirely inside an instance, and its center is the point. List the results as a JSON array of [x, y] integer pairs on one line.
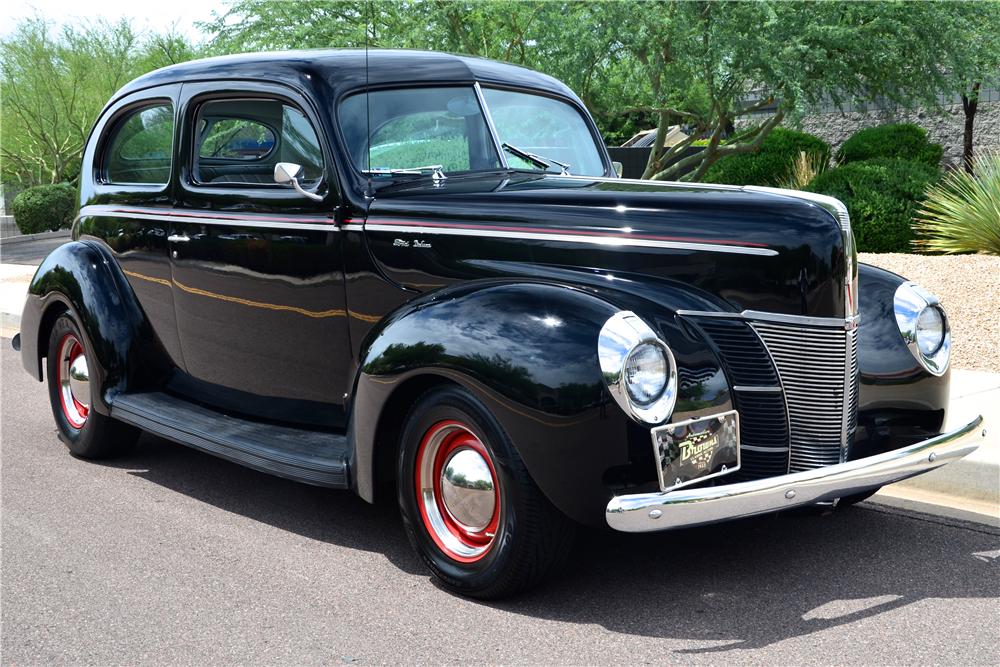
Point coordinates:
[[171, 556]]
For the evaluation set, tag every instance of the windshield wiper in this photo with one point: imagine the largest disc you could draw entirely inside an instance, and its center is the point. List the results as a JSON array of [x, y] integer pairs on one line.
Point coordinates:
[[436, 171], [538, 160]]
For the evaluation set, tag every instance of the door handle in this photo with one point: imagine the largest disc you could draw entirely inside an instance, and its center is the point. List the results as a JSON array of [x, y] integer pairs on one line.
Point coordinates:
[[178, 238]]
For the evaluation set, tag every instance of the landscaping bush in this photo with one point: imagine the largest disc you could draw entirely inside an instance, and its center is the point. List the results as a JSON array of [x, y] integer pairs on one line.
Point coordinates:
[[44, 208], [962, 212], [881, 196], [904, 141], [772, 164]]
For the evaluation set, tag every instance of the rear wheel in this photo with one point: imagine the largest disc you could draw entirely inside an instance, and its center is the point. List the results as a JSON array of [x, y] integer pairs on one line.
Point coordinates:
[[471, 510], [86, 432]]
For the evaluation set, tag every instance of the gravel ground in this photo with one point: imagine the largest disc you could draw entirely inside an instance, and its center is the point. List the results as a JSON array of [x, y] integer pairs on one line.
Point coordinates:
[[969, 289]]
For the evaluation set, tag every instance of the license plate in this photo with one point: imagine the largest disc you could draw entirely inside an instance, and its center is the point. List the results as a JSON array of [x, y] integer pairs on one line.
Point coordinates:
[[697, 449]]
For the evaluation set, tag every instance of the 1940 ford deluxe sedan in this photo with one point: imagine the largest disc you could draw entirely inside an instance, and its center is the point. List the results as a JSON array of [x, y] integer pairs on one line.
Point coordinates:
[[417, 274]]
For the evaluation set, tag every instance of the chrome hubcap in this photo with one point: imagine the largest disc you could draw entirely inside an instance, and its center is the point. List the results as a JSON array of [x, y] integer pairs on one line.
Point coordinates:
[[467, 489], [74, 381], [457, 491]]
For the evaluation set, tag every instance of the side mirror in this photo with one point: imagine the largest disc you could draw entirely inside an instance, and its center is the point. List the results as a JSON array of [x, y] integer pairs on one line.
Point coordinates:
[[289, 172], [617, 165]]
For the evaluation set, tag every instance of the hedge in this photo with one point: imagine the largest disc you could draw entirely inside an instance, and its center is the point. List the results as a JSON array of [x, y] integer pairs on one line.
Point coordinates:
[[772, 163], [44, 208], [905, 141], [881, 195]]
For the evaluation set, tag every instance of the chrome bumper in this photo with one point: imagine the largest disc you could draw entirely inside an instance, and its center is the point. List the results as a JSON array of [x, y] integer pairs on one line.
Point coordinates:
[[644, 512]]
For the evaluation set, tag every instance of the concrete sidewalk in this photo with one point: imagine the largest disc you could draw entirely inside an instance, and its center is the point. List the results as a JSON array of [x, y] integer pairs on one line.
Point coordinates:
[[14, 279], [971, 484]]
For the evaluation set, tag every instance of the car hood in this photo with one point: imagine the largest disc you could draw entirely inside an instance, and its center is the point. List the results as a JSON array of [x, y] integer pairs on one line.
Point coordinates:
[[742, 248]]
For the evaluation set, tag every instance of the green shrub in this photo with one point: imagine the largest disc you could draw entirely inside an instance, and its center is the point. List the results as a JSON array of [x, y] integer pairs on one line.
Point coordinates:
[[44, 208], [881, 196], [772, 164], [962, 212], [905, 141]]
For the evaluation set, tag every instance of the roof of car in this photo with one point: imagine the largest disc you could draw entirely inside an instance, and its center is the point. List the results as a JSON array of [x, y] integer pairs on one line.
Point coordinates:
[[345, 69]]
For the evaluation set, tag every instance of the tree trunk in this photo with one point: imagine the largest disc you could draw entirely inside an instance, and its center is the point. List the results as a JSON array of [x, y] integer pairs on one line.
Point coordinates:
[[970, 104]]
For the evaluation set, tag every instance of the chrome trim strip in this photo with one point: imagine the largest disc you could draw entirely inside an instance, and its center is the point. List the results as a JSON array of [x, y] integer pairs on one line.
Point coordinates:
[[201, 219], [759, 390], [755, 448], [612, 241], [803, 320], [645, 512]]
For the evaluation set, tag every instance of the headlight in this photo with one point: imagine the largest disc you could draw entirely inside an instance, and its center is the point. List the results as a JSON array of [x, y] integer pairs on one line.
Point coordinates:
[[930, 330], [924, 327], [638, 368]]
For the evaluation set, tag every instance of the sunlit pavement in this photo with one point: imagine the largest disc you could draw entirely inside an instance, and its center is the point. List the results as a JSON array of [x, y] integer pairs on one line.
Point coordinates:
[[171, 556]]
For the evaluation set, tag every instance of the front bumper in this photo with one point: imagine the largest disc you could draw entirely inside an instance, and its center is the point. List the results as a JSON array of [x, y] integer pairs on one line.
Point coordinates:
[[645, 512]]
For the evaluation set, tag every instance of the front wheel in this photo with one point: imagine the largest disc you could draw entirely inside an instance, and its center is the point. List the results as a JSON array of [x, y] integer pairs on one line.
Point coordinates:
[[471, 510], [87, 433]]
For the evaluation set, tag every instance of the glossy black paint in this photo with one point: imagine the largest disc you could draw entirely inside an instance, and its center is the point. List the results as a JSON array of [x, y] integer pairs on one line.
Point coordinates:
[[900, 401], [323, 326], [261, 308], [123, 350], [803, 275], [528, 349]]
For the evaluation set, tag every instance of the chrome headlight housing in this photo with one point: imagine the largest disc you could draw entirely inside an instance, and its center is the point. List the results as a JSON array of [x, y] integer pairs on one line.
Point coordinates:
[[924, 326], [638, 368]]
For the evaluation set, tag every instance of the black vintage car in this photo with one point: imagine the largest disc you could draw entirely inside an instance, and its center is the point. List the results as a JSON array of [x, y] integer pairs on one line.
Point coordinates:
[[417, 274]]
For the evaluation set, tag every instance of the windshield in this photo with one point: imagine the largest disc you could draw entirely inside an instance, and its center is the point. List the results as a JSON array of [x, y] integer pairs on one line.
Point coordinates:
[[415, 128], [545, 127]]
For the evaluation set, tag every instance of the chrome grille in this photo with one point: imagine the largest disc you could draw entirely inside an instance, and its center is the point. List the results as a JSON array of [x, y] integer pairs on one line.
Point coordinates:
[[817, 368]]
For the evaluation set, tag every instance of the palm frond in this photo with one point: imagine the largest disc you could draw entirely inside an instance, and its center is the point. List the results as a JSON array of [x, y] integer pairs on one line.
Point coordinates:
[[961, 213]]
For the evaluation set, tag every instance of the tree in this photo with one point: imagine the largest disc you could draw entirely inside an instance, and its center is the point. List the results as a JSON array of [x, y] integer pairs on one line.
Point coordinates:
[[715, 66], [975, 59], [56, 82]]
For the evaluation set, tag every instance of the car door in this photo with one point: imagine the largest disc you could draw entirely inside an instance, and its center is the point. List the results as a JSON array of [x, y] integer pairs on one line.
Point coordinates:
[[257, 266]]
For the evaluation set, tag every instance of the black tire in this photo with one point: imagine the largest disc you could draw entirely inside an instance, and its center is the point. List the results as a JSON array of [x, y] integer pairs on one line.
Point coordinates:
[[93, 435], [531, 537], [847, 501]]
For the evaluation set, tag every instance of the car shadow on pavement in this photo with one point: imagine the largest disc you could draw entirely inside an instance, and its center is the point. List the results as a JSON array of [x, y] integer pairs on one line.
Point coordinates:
[[741, 585]]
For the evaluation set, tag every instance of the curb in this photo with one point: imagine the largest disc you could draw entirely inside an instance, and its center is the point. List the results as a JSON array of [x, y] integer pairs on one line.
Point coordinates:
[[24, 238], [965, 479]]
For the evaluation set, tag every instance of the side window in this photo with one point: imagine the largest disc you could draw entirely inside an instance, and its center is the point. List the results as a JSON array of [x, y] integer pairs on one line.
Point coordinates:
[[240, 141], [235, 139], [141, 146]]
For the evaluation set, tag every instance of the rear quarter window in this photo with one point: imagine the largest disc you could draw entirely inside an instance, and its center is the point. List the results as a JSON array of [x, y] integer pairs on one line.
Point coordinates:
[[140, 146]]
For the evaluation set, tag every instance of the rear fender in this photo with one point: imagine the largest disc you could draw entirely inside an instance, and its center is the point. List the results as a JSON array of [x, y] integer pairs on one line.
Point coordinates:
[[80, 277]]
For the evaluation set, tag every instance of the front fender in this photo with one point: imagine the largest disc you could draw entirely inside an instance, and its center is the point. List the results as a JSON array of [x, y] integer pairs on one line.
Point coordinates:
[[900, 402], [529, 352], [80, 277]]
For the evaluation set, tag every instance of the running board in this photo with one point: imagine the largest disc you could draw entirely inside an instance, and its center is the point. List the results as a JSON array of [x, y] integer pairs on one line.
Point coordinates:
[[313, 457]]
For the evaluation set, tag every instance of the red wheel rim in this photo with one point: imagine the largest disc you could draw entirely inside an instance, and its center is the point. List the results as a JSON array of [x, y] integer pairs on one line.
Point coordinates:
[[457, 491], [73, 381]]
